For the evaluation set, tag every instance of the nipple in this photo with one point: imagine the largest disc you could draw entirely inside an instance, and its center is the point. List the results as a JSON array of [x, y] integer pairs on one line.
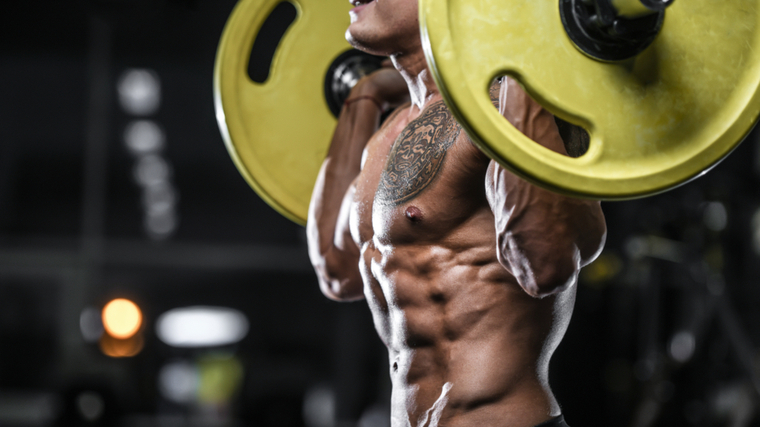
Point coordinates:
[[413, 213]]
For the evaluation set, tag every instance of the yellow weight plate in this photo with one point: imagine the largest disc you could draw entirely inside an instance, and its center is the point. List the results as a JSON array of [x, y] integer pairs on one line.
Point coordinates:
[[278, 132], [655, 121]]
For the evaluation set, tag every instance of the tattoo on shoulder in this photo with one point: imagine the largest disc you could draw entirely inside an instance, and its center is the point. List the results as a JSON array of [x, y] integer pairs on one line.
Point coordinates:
[[417, 155]]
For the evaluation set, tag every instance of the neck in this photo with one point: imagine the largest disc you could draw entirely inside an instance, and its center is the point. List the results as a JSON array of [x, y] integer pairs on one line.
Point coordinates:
[[413, 68]]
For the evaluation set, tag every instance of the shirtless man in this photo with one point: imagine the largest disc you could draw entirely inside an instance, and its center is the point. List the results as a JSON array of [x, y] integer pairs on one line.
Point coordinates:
[[469, 271]]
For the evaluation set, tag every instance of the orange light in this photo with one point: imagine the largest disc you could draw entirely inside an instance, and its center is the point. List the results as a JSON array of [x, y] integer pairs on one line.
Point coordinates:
[[117, 348], [121, 318]]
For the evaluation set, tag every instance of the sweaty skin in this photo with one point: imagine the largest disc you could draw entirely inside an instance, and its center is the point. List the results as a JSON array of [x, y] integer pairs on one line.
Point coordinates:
[[468, 270]]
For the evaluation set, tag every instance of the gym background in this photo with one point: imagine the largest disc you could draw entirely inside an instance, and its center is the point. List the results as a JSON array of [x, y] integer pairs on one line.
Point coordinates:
[[115, 184]]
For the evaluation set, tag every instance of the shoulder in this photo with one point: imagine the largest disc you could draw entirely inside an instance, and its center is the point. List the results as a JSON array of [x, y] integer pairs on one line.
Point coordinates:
[[391, 117]]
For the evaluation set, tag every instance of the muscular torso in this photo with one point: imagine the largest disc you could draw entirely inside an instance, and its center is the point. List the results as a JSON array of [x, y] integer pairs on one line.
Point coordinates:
[[467, 346]]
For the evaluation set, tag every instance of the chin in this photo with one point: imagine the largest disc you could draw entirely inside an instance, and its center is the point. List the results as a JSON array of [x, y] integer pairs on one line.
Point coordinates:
[[365, 44]]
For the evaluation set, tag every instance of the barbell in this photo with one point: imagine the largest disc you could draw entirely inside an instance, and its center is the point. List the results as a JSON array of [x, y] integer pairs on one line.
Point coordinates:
[[664, 90]]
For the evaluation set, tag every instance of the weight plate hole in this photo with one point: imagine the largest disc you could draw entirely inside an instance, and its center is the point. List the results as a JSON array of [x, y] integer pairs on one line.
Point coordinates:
[[576, 138], [267, 40]]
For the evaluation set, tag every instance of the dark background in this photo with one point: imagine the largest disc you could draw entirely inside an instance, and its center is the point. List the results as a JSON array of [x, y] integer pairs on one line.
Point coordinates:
[[678, 268]]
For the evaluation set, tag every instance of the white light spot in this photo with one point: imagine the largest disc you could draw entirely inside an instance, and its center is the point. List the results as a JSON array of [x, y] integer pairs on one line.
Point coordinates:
[[682, 346], [319, 407], [144, 137], [139, 92], [734, 403], [90, 405], [160, 225], [91, 324], [756, 232], [151, 170], [715, 217], [201, 326], [178, 382], [159, 198], [636, 247]]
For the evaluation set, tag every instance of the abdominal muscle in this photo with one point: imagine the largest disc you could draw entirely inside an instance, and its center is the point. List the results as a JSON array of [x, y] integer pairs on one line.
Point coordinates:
[[467, 346]]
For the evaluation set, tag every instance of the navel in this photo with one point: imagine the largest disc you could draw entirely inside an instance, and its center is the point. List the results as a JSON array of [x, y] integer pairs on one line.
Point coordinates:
[[413, 213]]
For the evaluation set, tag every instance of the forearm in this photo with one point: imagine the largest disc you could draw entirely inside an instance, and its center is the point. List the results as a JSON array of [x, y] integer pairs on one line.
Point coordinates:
[[332, 251], [357, 122]]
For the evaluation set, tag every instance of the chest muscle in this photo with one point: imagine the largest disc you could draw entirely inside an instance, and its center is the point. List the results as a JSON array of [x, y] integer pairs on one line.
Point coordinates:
[[419, 181]]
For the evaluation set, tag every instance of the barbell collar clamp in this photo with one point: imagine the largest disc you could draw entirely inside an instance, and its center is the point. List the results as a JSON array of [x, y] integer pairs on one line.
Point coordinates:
[[612, 30]]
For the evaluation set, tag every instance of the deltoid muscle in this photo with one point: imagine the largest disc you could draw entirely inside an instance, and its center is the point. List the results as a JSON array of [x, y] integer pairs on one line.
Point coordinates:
[[417, 155]]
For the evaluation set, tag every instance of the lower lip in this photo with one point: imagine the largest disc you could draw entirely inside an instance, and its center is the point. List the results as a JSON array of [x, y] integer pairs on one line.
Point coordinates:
[[360, 7]]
